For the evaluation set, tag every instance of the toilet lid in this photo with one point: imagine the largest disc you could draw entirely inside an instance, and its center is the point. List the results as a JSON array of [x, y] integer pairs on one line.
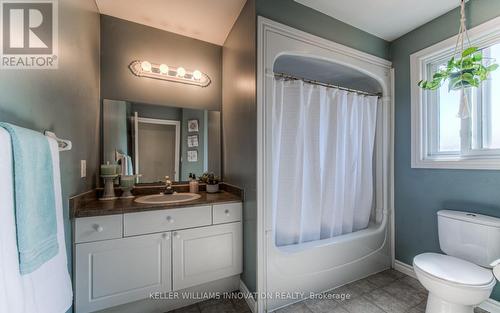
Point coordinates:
[[453, 269]]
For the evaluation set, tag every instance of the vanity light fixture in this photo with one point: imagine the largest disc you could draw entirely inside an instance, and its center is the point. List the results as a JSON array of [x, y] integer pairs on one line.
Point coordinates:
[[181, 72], [169, 73], [163, 68], [146, 66]]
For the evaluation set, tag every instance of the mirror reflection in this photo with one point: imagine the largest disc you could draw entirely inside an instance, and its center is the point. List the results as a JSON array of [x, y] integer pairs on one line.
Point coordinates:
[[155, 141]]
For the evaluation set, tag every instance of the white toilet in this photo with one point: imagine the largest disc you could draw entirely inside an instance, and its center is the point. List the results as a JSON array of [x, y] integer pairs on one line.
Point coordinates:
[[463, 278]]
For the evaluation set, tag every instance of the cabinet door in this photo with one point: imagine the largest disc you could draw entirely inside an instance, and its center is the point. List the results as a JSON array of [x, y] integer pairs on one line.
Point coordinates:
[[204, 254], [113, 272]]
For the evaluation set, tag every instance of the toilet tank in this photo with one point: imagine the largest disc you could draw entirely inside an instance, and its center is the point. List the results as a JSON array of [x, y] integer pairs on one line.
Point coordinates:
[[469, 236]]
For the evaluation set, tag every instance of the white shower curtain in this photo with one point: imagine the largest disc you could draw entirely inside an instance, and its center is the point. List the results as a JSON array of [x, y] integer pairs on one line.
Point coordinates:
[[323, 140]]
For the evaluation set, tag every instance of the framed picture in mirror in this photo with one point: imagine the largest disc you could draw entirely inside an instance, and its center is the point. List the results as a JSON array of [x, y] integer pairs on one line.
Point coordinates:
[[193, 126], [192, 141], [193, 156]]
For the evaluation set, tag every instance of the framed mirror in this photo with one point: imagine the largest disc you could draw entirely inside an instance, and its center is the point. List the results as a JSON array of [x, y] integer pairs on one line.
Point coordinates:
[[155, 141]]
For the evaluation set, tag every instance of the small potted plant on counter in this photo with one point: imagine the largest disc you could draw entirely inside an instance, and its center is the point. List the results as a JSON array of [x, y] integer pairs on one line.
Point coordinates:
[[211, 181]]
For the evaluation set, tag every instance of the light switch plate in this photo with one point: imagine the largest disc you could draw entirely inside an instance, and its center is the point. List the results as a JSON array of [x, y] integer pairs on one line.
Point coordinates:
[[83, 168]]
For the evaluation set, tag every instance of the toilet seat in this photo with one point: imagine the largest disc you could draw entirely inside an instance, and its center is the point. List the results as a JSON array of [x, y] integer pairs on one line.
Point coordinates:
[[453, 271]]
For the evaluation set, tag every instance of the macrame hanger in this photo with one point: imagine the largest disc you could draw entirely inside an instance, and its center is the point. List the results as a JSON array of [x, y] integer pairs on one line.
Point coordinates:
[[464, 110]]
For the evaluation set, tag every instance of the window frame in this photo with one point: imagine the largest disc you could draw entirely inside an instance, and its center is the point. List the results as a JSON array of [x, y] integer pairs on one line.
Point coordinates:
[[423, 146]]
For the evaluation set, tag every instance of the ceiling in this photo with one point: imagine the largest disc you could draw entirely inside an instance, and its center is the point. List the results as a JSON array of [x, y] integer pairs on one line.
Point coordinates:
[[207, 20], [387, 19]]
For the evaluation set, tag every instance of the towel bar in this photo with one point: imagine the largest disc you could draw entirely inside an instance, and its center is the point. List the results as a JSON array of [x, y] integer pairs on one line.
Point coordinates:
[[64, 145]]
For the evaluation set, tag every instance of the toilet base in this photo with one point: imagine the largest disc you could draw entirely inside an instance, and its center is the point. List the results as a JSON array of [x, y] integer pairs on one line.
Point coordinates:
[[438, 305]]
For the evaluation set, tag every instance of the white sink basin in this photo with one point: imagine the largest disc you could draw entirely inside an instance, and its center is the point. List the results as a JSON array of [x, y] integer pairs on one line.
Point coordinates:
[[168, 198]]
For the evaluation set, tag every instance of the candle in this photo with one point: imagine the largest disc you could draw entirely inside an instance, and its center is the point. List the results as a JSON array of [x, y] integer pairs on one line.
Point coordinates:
[[127, 181], [108, 169]]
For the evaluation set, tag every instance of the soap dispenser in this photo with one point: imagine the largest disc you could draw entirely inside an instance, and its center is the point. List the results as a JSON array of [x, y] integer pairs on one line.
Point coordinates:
[[194, 186]]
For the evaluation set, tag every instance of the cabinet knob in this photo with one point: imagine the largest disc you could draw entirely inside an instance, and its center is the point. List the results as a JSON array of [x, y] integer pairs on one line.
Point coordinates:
[[226, 212], [176, 235], [98, 228], [165, 236], [170, 219]]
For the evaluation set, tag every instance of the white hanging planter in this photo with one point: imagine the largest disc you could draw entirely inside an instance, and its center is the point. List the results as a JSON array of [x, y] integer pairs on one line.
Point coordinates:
[[468, 70]]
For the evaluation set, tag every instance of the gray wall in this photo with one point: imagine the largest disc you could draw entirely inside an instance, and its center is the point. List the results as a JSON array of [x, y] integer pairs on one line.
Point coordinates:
[[304, 18], [65, 100], [239, 130], [420, 193], [123, 42]]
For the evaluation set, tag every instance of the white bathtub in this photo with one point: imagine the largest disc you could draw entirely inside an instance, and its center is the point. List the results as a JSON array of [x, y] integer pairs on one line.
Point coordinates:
[[295, 271]]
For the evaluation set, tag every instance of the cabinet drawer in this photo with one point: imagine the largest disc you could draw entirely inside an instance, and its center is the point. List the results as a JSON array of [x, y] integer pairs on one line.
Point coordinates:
[[98, 228], [227, 213], [165, 220]]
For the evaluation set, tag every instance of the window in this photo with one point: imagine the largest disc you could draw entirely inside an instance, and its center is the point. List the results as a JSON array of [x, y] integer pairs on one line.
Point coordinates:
[[441, 139]]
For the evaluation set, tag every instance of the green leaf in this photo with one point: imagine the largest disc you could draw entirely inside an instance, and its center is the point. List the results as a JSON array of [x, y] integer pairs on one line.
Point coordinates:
[[492, 67], [469, 51], [469, 78], [477, 57], [466, 72], [455, 83], [451, 64]]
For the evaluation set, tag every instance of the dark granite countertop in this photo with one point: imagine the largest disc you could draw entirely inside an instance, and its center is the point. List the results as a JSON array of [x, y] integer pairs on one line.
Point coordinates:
[[88, 205]]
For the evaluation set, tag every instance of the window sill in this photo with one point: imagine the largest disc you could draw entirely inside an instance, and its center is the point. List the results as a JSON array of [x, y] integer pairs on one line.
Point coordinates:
[[458, 163]]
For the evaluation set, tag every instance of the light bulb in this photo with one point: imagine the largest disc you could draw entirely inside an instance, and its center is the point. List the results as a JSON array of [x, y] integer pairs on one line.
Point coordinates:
[[197, 75], [181, 72], [163, 69], [146, 66]]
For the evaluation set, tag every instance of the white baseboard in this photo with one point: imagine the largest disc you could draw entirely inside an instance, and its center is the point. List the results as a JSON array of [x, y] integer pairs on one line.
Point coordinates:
[[248, 297], [404, 268], [489, 305]]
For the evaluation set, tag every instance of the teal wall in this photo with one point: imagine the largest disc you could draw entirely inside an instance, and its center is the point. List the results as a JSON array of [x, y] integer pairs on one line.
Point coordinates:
[[65, 100], [420, 193], [296, 15], [193, 167]]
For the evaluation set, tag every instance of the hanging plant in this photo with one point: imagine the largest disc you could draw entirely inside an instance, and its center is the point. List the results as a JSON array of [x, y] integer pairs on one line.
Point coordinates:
[[468, 71]]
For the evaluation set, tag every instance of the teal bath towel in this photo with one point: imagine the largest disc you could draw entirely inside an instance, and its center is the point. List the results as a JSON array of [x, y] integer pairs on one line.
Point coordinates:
[[35, 207]]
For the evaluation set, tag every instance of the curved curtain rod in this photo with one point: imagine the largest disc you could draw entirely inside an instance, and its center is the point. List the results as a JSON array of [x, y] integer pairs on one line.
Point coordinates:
[[315, 82]]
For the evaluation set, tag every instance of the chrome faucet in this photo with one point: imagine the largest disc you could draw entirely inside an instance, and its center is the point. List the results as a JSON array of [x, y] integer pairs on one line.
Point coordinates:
[[168, 185]]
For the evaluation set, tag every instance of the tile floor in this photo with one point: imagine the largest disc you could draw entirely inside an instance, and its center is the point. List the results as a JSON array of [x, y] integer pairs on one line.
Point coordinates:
[[386, 292], [233, 305]]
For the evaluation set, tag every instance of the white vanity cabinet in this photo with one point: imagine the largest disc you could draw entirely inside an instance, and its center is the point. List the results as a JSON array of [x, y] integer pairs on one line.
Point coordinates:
[[118, 271], [157, 251], [204, 254]]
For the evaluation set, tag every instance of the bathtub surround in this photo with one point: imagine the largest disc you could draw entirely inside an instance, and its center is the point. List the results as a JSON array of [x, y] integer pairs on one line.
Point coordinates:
[[420, 193], [337, 260]]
